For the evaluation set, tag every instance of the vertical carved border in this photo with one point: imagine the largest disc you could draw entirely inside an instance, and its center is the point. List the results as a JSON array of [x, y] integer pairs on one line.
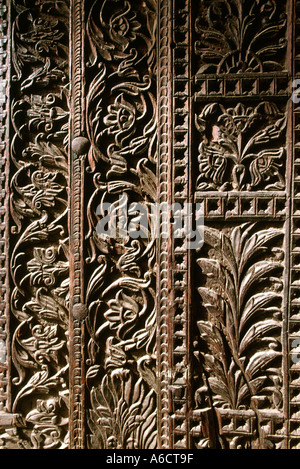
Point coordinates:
[[174, 181], [5, 403], [164, 197], [78, 151], [182, 195], [214, 88], [286, 365], [294, 273]]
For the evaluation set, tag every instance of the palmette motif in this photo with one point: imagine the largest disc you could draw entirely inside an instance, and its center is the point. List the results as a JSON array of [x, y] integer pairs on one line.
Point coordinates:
[[235, 36], [240, 378], [236, 153]]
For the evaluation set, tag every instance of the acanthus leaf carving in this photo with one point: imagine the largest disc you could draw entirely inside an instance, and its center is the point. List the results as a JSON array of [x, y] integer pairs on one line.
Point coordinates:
[[240, 334], [125, 412]]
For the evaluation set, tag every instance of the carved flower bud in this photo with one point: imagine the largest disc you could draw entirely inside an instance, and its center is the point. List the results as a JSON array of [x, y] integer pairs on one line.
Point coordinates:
[[79, 311]]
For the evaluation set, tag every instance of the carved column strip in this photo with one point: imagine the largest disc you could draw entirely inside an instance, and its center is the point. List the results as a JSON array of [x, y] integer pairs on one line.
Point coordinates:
[[174, 179], [287, 309], [181, 197], [164, 171], [5, 379], [293, 399], [77, 164]]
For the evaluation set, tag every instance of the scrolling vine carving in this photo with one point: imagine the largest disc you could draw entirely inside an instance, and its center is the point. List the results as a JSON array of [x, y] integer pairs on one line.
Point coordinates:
[[39, 257], [121, 127]]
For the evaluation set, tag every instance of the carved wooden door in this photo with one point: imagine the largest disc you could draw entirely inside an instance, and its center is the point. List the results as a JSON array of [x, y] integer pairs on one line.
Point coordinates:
[[149, 341]]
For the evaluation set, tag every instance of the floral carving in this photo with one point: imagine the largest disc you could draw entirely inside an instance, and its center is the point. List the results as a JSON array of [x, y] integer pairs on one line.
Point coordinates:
[[121, 128], [120, 131], [39, 209], [240, 331], [167, 346], [236, 152], [237, 36], [38, 39]]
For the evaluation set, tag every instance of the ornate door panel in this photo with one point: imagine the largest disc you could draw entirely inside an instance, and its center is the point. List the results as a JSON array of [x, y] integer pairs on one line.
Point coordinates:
[[136, 333]]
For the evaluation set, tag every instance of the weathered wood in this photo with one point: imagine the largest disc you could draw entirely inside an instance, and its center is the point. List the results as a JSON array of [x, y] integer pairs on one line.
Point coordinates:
[[9, 420], [139, 338]]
